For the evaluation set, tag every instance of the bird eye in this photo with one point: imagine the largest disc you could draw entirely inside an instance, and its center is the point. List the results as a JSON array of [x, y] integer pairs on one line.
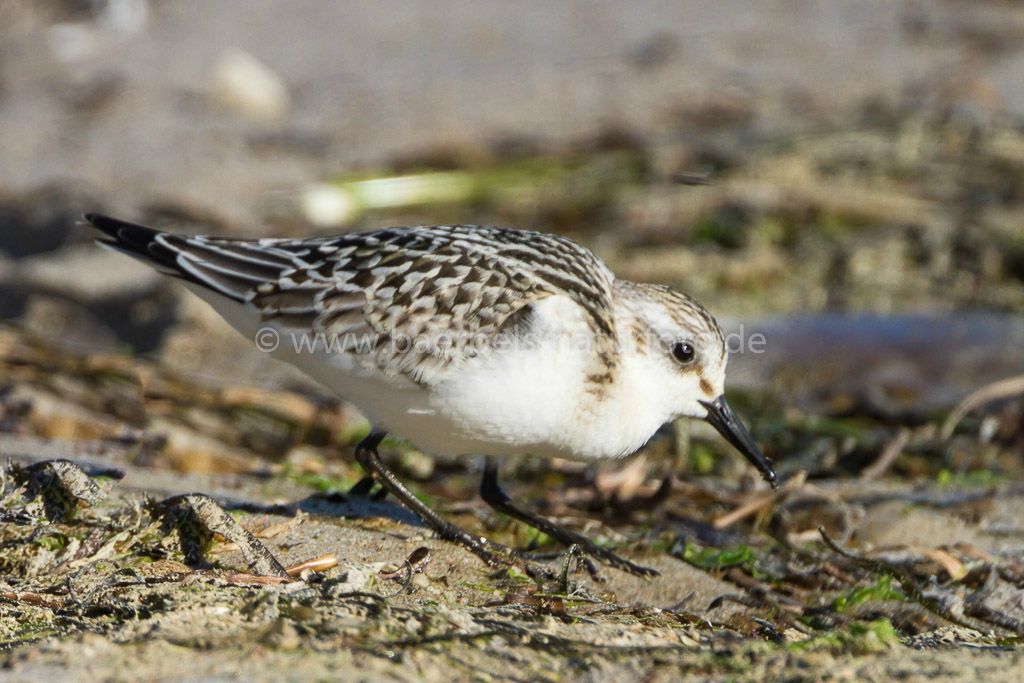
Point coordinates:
[[684, 352]]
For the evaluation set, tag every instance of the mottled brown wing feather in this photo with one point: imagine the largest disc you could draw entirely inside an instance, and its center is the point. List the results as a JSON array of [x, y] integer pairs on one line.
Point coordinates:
[[410, 300], [416, 299]]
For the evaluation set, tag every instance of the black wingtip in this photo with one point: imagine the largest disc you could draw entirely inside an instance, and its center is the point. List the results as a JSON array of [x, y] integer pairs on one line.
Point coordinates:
[[135, 240], [121, 230], [128, 236]]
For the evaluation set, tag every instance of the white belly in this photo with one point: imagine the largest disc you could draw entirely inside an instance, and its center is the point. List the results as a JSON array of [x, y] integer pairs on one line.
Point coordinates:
[[522, 399], [502, 402]]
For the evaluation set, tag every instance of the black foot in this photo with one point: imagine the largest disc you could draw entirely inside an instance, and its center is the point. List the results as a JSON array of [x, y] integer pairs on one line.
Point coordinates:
[[495, 496], [494, 554]]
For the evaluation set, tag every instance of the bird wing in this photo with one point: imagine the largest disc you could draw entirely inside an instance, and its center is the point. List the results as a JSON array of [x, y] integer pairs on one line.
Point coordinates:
[[410, 300]]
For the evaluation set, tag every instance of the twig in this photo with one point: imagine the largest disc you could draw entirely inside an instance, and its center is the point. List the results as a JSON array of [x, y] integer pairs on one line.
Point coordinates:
[[563, 580], [975, 606], [1005, 388], [244, 579], [887, 457], [317, 564], [954, 567], [760, 502], [908, 583], [31, 598], [414, 564]]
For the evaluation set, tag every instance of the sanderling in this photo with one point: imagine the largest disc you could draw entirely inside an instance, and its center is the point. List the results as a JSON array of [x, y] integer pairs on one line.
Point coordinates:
[[467, 340]]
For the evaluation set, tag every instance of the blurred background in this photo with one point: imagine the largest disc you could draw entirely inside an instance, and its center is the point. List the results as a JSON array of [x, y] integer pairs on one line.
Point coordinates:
[[843, 177], [846, 178]]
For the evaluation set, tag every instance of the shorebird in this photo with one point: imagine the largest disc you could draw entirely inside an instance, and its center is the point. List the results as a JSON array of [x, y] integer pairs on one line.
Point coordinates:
[[467, 341]]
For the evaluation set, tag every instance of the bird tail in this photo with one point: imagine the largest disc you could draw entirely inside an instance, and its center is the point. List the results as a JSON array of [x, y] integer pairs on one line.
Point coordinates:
[[229, 267], [137, 241]]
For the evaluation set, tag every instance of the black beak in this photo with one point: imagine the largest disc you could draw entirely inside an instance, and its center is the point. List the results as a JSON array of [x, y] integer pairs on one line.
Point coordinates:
[[721, 417]]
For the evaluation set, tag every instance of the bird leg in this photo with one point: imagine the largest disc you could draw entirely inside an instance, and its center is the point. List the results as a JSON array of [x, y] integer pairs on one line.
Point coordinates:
[[363, 487], [495, 496], [491, 553]]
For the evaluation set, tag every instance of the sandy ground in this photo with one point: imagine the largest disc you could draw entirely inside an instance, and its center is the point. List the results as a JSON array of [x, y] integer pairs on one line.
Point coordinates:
[[863, 157], [105, 592]]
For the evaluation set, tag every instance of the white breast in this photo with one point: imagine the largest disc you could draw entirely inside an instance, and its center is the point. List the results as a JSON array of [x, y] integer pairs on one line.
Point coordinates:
[[535, 397], [526, 396]]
